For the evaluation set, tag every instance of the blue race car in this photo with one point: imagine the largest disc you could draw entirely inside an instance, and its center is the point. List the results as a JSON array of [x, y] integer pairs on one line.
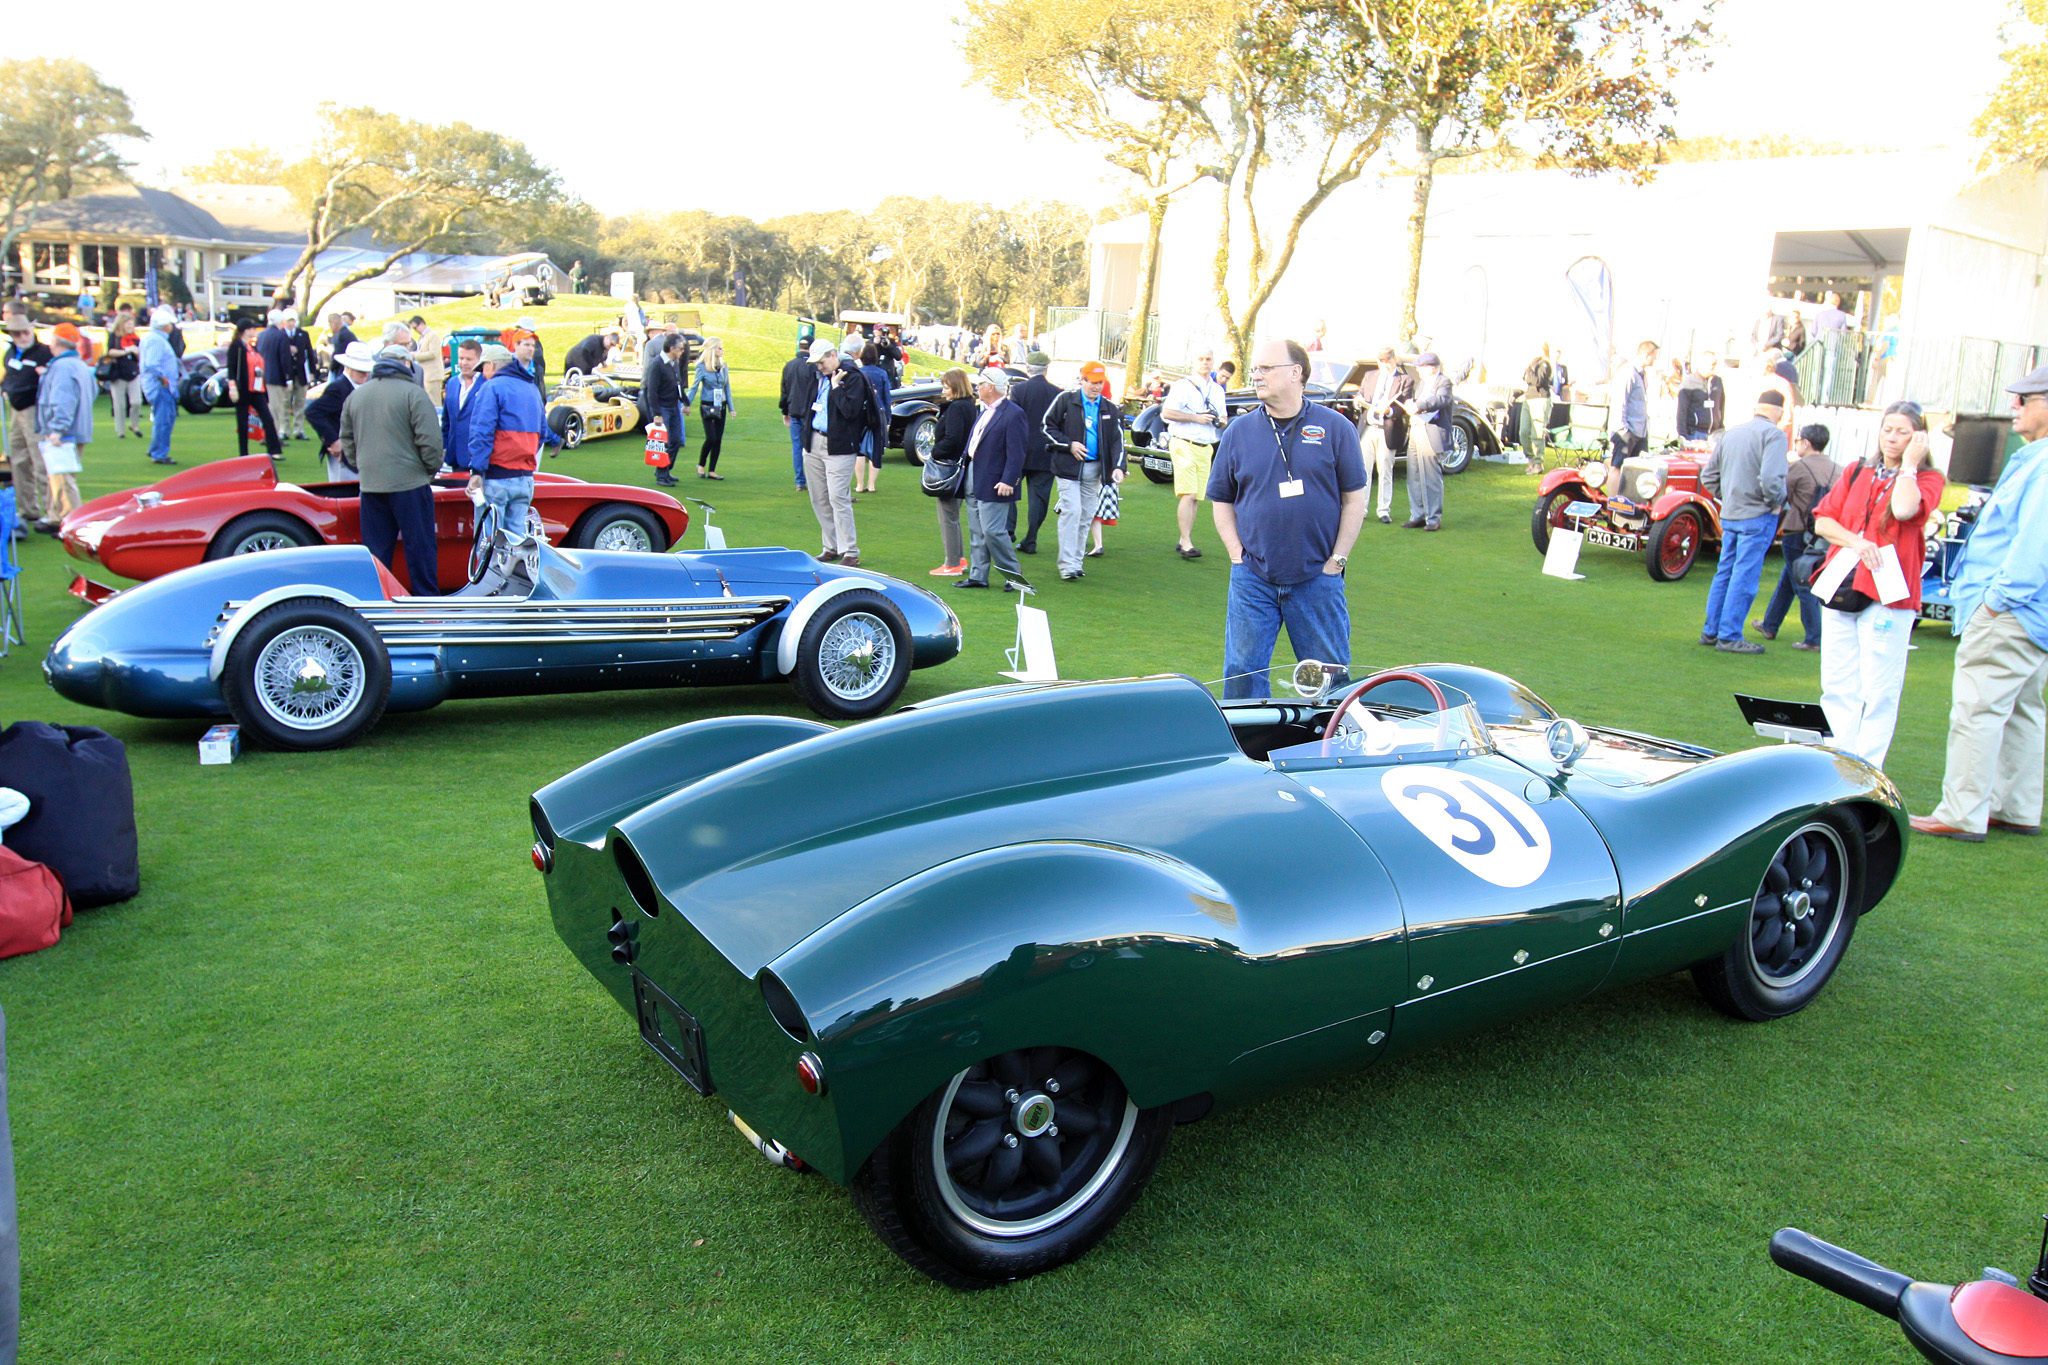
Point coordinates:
[[306, 648]]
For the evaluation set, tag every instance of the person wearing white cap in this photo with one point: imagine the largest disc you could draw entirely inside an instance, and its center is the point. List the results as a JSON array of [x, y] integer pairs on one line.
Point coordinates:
[[1997, 718], [323, 414], [839, 410], [161, 376], [995, 467]]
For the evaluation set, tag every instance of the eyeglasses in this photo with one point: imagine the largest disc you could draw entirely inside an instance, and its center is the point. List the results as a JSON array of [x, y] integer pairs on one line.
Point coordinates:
[[1261, 371]]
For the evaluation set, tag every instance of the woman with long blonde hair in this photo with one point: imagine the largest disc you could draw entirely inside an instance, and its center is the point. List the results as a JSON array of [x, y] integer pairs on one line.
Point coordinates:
[[712, 393]]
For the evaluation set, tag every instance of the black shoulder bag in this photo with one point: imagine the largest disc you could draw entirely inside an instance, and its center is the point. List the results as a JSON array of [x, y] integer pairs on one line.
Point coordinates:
[[1848, 598]]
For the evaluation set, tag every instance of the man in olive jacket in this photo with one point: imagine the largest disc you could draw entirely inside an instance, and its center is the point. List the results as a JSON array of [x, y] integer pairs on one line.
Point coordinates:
[[393, 436]]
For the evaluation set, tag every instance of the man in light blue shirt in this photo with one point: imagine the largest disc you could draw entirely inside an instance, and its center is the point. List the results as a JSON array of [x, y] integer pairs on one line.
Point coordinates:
[[161, 375], [1632, 425], [1997, 722]]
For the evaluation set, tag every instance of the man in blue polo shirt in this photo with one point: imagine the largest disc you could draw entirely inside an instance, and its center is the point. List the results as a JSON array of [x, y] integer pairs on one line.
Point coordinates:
[[1288, 494]]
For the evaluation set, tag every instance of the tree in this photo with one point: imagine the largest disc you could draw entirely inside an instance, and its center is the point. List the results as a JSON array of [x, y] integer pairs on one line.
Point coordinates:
[[57, 122], [1129, 79], [1589, 80], [2014, 122], [238, 166], [414, 185]]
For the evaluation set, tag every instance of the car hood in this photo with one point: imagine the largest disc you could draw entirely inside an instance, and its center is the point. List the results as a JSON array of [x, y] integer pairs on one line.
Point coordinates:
[[1615, 758]]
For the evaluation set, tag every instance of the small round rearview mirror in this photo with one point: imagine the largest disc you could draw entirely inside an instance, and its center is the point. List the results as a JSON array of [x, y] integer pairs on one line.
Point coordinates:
[[1567, 740], [1310, 678]]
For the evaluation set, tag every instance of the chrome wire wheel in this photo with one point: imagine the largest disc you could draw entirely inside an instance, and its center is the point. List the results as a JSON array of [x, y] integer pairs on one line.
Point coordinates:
[[1028, 1139], [857, 657], [309, 677], [1798, 909], [623, 535], [256, 542]]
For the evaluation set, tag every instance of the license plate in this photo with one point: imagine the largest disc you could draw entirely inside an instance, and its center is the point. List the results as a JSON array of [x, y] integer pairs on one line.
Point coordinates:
[[672, 1032], [1159, 464], [1936, 611], [1613, 540]]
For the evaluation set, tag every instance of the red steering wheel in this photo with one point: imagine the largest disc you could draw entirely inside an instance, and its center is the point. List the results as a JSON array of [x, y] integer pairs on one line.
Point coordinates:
[[1391, 675]]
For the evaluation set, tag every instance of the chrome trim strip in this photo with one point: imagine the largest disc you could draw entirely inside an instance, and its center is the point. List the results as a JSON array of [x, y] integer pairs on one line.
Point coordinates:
[[1482, 980], [1683, 919], [472, 605]]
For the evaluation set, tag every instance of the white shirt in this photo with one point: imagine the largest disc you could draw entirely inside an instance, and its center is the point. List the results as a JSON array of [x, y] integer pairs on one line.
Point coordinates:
[[1197, 393], [981, 425], [1382, 396]]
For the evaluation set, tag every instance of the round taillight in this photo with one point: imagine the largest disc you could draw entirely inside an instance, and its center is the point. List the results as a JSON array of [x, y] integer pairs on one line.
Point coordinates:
[[810, 1073], [543, 857]]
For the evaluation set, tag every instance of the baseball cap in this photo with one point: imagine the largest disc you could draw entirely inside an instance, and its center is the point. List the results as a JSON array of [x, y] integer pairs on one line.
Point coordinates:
[[1094, 370], [493, 354], [999, 378], [821, 348], [64, 331]]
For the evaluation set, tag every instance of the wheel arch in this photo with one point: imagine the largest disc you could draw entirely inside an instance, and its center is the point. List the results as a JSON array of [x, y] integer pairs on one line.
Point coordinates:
[[1710, 515], [217, 660], [804, 609], [675, 517]]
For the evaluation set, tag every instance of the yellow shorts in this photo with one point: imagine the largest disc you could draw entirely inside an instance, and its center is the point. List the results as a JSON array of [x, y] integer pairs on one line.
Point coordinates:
[[1190, 467]]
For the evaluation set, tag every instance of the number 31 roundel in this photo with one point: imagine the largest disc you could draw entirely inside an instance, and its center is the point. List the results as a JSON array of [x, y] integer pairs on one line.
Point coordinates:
[[1489, 831]]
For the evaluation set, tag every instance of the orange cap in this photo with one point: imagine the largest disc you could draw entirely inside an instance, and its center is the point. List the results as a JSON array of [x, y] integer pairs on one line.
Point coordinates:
[[67, 332], [1094, 372]]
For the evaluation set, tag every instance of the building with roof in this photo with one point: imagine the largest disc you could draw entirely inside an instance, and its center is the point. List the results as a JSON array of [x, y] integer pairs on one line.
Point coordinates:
[[113, 236], [412, 281]]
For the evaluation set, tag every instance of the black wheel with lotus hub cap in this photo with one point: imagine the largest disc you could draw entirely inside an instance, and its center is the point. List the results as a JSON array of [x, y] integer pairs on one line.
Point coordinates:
[[1019, 1164], [1799, 925]]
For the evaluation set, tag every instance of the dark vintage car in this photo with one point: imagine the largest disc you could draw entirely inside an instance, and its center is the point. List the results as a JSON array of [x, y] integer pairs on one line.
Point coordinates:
[[307, 648], [1338, 388], [984, 1008], [914, 414], [1655, 508], [203, 380]]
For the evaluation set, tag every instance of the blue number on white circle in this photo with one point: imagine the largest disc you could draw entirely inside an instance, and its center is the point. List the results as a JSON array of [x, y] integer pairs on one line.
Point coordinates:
[[1486, 829]]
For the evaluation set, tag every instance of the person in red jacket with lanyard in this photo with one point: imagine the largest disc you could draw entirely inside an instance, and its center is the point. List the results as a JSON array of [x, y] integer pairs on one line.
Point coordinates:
[[1874, 507], [507, 428]]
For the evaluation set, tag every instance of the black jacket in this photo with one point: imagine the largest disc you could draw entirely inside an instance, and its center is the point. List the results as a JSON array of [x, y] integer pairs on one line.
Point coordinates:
[[660, 383], [302, 362], [586, 355], [274, 344], [1066, 422], [23, 382], [1035, 396], [323, 414], [791, 373], [956, 424], [850, 412]]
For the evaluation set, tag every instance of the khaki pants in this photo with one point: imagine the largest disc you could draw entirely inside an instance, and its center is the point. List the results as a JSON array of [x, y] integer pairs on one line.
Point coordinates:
[[293, 423], [1995, 727], [63, 499], [26, 458], [829, 480], [1379, 464]]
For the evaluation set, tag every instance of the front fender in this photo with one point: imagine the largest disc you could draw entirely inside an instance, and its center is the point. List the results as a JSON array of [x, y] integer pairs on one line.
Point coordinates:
[[1562, 478], [1665, 505]]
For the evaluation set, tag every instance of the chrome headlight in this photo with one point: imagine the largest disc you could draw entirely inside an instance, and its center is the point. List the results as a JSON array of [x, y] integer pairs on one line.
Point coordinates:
[[1594, 471], [1647, 484]]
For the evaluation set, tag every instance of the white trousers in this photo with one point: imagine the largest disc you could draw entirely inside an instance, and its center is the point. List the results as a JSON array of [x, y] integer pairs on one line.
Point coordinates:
[[1379, 464], [1862, 673], [1079, 499], [1995, 726]]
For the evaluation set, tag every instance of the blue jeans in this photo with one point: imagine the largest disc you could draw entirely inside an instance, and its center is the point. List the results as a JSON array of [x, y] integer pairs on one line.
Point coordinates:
[[388, 518], [163, 415], [511, 497], [1743, 544], [1792, 582], [1318, 625], [796, 451]]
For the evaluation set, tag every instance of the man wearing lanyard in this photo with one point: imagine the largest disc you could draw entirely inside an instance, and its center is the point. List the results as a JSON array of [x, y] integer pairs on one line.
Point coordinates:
[[1288, 494], [1087, 446]]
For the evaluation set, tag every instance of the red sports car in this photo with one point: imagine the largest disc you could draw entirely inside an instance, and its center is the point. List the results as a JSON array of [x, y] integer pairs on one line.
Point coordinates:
[[238, 507]]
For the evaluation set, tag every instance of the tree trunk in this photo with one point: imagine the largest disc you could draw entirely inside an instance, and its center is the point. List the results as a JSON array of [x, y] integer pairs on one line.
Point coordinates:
[[1418, 219], [1148, 279]]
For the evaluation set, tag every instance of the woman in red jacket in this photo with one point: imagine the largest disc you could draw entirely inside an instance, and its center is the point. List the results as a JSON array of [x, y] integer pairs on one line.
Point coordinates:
[[1875, 507], [245, 388]]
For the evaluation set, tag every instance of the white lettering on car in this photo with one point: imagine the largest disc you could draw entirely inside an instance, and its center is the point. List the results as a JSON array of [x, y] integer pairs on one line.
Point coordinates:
[[1486, 829]]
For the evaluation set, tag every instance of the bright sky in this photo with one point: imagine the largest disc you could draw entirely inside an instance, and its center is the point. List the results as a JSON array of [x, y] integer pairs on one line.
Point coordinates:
[[754, 83]]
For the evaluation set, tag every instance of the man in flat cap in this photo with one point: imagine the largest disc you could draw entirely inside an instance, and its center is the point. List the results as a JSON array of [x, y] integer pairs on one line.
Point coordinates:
[[1996, 720], [1747, 472]]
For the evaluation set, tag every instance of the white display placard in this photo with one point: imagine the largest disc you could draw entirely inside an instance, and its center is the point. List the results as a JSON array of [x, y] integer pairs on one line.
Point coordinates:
[[1561, 559], [1031, 657], [622, 284]]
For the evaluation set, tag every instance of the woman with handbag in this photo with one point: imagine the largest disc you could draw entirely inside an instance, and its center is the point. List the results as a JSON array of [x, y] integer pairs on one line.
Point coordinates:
[[1874, 507], [124, 376], [245, 389], [946, 467], [712, 393]]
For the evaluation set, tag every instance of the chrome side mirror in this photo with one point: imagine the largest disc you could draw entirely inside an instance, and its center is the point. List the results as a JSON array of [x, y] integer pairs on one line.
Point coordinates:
[[1311, 679], [1567, 741]]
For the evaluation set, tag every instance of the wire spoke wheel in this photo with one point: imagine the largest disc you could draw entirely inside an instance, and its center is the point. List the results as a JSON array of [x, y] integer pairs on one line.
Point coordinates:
[[857, 656], [309, 677], [258, 542], [623, 535]]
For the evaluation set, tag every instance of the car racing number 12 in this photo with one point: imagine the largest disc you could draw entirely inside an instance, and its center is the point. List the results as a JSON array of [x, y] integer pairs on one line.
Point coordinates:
[[1489, 831]]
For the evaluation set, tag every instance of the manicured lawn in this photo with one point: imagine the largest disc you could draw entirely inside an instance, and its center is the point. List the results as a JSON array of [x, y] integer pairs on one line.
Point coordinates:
[[330, 1089]]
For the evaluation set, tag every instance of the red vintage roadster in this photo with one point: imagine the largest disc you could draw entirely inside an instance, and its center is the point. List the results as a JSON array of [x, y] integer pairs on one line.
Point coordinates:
[[1654, 505], [240, 506]]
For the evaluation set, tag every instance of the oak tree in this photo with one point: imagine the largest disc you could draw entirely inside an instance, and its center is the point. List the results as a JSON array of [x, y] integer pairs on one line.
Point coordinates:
[[58, 120], [2014, 122]]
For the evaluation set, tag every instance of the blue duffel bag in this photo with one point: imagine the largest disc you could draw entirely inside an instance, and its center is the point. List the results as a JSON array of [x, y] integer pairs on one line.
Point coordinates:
[[81, 814]]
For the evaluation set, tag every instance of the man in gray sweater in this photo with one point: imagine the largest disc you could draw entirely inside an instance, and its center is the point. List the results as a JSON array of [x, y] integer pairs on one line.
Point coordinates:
[[393, 437], [1747, 472]]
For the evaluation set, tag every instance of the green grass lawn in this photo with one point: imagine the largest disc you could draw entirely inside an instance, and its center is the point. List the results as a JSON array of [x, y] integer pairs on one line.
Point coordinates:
[[330, 1089]]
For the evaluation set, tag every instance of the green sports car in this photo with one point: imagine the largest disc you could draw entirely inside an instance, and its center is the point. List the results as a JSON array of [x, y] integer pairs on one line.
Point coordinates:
[[979, 978]]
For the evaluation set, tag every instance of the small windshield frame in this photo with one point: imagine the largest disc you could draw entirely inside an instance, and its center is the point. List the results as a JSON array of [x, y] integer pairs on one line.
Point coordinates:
[[1382, 736]]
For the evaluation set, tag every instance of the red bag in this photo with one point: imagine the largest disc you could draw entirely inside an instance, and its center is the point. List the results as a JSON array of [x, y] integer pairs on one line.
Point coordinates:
[[33, 906], [252, 424], [657, 444]]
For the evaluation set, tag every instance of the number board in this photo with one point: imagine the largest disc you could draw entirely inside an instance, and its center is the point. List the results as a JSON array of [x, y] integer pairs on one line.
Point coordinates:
[[1486, 829]]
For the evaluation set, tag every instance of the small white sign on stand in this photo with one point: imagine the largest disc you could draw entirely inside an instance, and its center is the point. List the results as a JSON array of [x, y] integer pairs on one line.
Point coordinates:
[[1561, 556], [622, 284], [1033, 648]]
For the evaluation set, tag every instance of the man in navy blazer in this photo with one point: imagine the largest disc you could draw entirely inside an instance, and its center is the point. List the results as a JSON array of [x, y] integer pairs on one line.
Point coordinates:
[[995, 466]]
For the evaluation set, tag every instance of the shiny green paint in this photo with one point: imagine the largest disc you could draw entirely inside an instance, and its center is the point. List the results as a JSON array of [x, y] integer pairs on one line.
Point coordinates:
[[1141, 890]]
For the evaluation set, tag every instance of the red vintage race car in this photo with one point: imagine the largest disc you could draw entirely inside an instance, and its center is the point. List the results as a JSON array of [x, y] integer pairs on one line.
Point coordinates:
[[1654, 506], [240, 506]]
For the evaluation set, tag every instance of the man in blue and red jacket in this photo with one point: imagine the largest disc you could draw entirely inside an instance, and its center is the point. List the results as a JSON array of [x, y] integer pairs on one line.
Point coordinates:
[[507, 428]]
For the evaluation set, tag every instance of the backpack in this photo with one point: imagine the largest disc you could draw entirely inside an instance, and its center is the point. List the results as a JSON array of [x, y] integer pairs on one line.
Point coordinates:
[[33, 907], [81, 819]]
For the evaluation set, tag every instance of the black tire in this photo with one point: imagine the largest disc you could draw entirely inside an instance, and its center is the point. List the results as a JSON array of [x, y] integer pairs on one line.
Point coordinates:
[[621, 526], [275, 706], [918, 438], [193, 395], [1036, 1198], [1461, 448], [567, 423], [1549, 516], [1674, 545], [1795, 936], [256, 532], [853, 656]]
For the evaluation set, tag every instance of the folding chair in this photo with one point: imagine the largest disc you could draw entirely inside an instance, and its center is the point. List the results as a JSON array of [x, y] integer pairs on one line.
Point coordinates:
[[11, 630]]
